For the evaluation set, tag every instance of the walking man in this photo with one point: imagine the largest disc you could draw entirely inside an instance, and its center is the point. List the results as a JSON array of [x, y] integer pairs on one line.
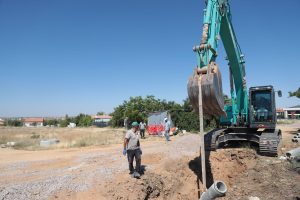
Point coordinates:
[[167, 129], [133, 150], [142, 129]]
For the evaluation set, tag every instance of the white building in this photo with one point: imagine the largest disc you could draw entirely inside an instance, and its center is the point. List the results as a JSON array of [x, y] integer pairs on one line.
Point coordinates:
[[288, 113], [101, 120], [1, 122], [33, 122]]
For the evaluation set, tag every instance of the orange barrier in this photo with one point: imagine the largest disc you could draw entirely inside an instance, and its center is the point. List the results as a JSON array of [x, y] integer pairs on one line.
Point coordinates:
[[155, 129]]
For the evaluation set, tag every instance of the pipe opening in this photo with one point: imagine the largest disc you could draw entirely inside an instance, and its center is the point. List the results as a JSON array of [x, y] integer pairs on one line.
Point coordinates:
[[221, 187]]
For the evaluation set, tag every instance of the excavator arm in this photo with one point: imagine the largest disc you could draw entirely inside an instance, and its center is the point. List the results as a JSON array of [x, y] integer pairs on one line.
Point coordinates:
[[217, 25]]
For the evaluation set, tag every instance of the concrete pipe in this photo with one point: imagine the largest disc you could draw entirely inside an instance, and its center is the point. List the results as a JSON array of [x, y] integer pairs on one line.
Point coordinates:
[[293, 153], [218, 189]]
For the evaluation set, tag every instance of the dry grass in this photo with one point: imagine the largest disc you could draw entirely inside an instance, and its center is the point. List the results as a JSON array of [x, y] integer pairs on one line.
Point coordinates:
[[29, 138], [287, 121]]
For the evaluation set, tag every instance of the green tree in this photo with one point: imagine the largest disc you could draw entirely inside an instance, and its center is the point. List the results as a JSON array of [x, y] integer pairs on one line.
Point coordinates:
[[227, 100], [295, 94], [184, 117], [83, 120], [100, 113], [65, 122], [51, 122], [13, 122], [138, 109]]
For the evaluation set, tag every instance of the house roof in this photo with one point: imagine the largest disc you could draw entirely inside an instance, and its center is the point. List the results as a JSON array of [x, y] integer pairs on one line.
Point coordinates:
[[288, 109], [102, 117], [33, 119], [297, 106]]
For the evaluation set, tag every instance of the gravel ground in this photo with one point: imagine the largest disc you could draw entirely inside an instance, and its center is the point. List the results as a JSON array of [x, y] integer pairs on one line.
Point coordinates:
[[102, 172]]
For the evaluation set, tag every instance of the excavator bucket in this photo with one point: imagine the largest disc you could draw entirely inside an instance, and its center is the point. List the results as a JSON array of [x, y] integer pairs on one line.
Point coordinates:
[[212, 92]]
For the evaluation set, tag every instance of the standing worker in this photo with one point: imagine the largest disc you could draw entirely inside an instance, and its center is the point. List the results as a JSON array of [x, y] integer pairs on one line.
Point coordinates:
[[167, 129], [142, 129], [126, 123], [133, 150]]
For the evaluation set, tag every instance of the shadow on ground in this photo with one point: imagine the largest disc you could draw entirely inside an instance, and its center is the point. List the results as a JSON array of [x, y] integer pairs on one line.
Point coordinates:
[[195, 166]]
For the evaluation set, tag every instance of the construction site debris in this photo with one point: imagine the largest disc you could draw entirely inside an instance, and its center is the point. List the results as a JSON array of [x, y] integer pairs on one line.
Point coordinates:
[[293, 156], [296, 138], [72, 125], [253, 198], [47, 143], [11, 144]]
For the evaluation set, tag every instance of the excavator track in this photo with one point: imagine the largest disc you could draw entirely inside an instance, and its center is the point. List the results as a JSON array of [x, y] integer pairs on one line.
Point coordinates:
[[211, 143], [268, 143]]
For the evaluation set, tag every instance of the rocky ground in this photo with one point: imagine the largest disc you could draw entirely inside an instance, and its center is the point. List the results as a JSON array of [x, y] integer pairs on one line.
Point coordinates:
[[171, 171]]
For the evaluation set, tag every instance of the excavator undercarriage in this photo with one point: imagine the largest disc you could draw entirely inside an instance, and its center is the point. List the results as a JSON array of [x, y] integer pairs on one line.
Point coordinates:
[[267, 141]]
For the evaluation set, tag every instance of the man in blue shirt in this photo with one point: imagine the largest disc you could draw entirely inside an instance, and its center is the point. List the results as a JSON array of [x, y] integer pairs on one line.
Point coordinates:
[[142, 129], [167, 129]]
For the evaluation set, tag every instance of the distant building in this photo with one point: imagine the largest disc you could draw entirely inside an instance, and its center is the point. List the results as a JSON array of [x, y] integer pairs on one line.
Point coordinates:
[[1, 122], [280, 113], [288, 113], [101, 120], [33, 122]]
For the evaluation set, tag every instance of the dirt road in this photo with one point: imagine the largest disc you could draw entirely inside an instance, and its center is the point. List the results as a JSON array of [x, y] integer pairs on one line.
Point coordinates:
[[171, 171]]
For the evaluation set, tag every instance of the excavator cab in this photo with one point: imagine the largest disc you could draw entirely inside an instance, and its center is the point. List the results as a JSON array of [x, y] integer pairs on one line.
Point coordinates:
[[262, 111]]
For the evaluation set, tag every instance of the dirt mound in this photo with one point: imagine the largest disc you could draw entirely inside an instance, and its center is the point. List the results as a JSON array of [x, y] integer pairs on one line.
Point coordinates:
[[166, 184], [270, 178], [181, 179], [227, 164]]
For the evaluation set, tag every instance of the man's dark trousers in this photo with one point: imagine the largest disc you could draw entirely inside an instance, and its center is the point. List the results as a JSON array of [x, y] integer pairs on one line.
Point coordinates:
[[136, 154], [142, 131]]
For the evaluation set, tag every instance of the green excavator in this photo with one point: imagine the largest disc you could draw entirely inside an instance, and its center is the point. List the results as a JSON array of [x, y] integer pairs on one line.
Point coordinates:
[[250, 115]]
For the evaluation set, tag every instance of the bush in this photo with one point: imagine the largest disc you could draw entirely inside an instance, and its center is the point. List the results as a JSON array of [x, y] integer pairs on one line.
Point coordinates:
[[188, 121], [82, 143], [63, 123], [25, 144], [34, 136], [51, 122], [14, 122]]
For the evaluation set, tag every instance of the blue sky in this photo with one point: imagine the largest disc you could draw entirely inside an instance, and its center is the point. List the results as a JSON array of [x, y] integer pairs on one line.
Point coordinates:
[[62, 57]]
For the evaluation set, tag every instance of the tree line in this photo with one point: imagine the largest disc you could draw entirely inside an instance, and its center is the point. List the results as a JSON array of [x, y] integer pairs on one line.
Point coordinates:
[[137, 109], [81, 120]]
